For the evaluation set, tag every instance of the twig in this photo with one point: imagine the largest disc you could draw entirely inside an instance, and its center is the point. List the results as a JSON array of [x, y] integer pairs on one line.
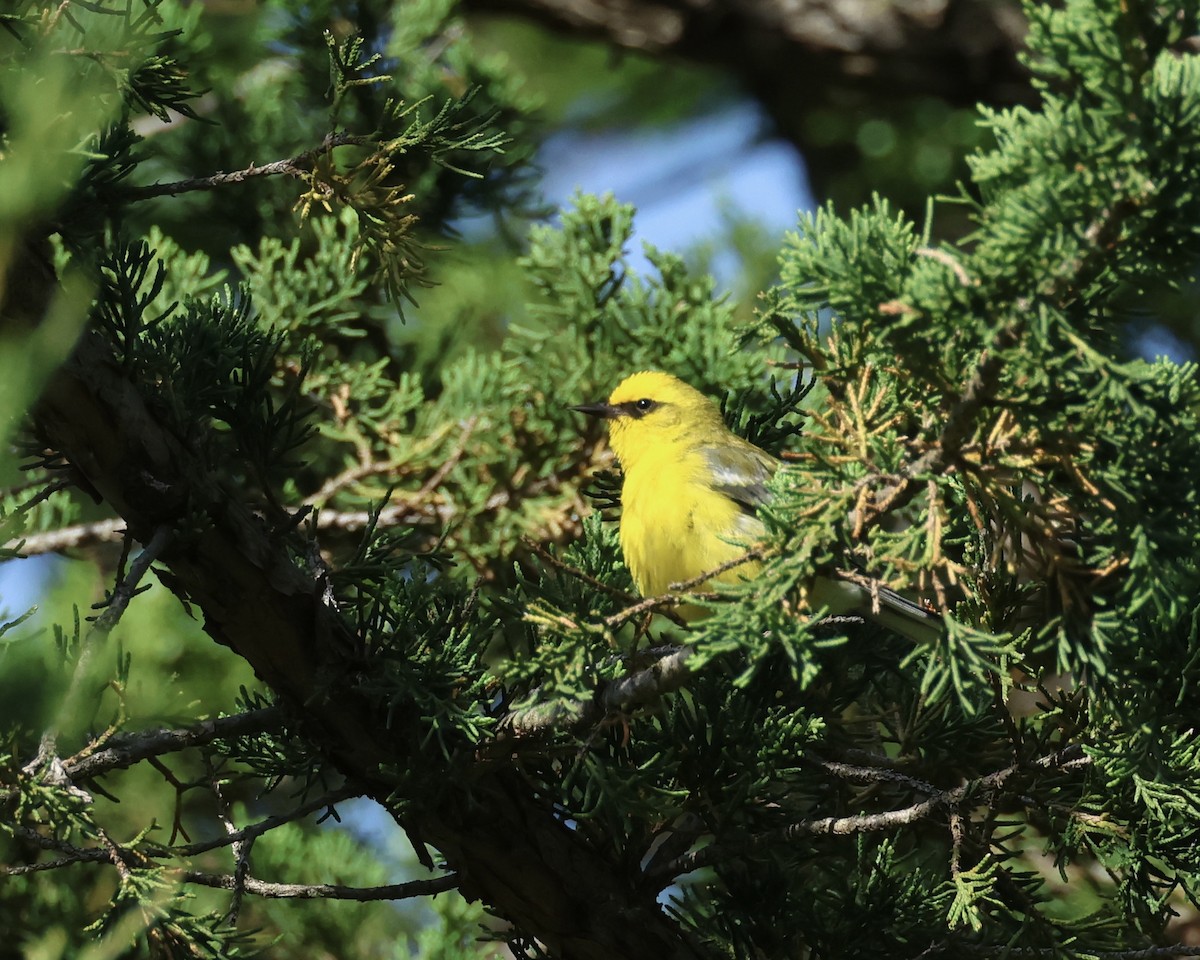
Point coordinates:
[[241, 847], [329, 891], [755, 553], [256, 830], [69, 538], [661, 605], [440, 474], [615, 698], [125, 750], [1071, 758], [180, 788], [848, 771], [82, 535], [958, 834], [679, 592], [111, 852], [73, 854], [81, 855], [100, 629], [946, 259], [116, 855], [297, 166], [47, 492], [358, 472], [390, 516], [542, 553], [104, 853]]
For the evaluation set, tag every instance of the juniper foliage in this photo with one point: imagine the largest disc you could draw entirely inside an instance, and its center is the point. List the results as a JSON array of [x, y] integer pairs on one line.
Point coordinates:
[[402, 540]]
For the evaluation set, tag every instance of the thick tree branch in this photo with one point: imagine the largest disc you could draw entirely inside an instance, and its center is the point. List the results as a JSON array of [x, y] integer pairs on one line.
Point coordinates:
[[521, 858]]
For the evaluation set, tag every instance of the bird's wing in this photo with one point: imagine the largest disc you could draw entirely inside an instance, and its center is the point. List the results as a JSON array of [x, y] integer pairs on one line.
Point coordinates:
[[740, 471]]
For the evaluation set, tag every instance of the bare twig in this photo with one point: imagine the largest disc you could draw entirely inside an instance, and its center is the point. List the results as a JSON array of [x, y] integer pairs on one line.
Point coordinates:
[[241, 848], [1071, 758], [72, 853], [755, 553], [69, 538], [46, 492], [946, 259], [661, 604], [81, 855], [680, 592], [440, 474], [100, 629], [177, 827], [117, 856], [847, 771], [113, 853], [297, 166], [82, 535], [373, 468], [359, 471], [256, 830], [327, 891]]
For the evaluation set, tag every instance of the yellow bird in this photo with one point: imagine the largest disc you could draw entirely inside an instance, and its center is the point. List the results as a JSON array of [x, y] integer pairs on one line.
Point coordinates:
[[690, 495]]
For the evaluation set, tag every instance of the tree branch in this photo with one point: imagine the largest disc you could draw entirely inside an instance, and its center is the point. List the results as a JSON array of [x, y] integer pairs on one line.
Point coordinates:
[[125, 750], [1070, 758], [69, 538], [260, 888], [297, 166], [615, 698], [521, 858], [255, 830], [323, 891]]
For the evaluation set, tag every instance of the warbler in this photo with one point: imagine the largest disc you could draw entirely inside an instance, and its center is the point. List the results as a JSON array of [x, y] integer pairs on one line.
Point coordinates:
[[690, 496]]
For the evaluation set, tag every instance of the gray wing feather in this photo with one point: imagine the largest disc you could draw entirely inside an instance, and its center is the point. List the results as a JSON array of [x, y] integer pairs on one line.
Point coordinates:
[[741, 472]]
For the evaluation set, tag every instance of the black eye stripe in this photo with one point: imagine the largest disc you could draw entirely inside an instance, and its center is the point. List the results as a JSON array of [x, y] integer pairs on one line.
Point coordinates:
[[639, 408]]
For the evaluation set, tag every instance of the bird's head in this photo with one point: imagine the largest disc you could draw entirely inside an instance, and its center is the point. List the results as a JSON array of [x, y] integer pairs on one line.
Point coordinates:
[[651, 411]]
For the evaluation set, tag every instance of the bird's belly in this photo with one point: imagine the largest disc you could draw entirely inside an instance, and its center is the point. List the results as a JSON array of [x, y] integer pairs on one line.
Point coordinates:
[[672, 532]]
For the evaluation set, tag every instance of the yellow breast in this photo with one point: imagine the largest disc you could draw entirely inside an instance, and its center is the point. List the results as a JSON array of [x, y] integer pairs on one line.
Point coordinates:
[[675, 526]]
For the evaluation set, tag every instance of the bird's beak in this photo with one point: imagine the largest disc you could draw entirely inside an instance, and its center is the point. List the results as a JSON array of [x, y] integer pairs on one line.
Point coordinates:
[[604, 411]]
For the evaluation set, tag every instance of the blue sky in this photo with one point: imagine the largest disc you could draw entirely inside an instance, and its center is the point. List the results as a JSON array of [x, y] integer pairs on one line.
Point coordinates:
[[679, 177]]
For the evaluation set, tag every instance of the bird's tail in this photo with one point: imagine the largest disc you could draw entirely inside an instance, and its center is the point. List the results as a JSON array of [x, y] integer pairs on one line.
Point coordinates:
[[880, 604]]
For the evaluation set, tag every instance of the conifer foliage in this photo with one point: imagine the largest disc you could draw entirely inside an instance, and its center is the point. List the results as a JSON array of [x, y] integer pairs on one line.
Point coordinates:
[[345, 545]]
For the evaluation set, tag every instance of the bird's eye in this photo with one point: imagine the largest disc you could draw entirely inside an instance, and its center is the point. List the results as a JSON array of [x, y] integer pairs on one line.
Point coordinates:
[[644, 404]]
